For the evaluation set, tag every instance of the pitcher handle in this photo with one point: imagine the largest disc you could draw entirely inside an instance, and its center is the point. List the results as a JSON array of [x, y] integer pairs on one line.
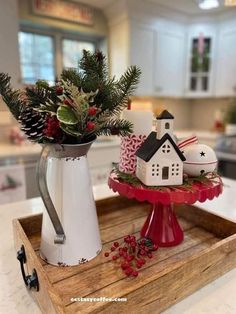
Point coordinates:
[[43, 188]]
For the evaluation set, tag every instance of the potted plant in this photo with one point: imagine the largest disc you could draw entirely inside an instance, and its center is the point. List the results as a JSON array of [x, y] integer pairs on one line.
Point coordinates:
[[230, 119]]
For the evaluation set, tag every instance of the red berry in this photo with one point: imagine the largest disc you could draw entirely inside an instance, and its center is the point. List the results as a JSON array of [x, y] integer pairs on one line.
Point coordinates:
[[133, 244], [114, 257], [125, 249], [59, 90], [106, 254], [127, 272], [147, 249], [142, 252], [113, 248], [127, 239], [124, 265], [92, 111], [130, 258], [135, 273], [150, 255], [155, 247], [116, 244], [68, 102], [90, 126], [132, 238]]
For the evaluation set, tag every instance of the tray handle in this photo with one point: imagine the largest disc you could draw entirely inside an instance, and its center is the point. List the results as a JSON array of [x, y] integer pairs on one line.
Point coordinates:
[[31, 281]]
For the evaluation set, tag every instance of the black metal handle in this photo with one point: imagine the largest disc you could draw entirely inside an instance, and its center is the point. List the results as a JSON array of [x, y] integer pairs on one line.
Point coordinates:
[[31, 281]]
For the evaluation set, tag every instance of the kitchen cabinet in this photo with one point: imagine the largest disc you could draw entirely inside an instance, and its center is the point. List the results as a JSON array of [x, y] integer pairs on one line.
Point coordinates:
[[226, 63], [169, 64], [160, 56], [142, 54], [200, 67], [165, 50]]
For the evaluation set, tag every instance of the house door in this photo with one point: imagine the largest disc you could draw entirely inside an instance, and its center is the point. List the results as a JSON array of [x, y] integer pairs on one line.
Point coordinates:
[[165, 173]]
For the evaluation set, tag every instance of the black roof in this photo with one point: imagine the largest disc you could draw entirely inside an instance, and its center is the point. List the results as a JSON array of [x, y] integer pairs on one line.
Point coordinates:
[[152, 144], [165, 115]]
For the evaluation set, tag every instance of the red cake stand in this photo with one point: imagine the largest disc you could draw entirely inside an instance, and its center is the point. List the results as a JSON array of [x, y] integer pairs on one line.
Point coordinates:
[[162, 226]]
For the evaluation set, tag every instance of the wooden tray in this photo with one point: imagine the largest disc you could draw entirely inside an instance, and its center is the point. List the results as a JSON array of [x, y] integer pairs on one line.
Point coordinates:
[[208, 251]]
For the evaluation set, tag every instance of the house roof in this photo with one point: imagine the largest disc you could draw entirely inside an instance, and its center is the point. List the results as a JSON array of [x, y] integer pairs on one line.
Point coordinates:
[[165, 115], [151, 145]]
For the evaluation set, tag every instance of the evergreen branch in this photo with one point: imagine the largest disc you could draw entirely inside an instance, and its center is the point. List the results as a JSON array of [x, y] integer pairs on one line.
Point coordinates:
[[129, 80], [115, 126], [12, 98], [94, 65], [188, 184], [40, 94], [73, 76]]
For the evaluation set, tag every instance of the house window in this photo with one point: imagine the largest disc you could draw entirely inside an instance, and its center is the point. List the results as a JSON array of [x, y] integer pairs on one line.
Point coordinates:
[[44, 54], [175, 169], [165, 173], [155, 170], [167, 125], [72, 51], [36, 57], [166, 148]]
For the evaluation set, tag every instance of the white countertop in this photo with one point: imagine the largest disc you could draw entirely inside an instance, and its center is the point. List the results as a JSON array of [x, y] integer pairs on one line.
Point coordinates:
[[10, 150], [29, 149], [217, 297]]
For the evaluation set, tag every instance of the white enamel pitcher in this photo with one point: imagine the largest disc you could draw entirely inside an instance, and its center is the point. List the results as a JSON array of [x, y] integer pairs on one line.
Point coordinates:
[[70, 232]]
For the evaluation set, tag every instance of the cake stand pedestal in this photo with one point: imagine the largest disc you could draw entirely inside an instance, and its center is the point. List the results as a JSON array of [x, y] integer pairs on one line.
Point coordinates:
[[162, 226]]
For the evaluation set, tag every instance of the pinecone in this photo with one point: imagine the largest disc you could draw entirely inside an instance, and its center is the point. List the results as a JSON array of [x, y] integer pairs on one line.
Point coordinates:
[[32, 123]]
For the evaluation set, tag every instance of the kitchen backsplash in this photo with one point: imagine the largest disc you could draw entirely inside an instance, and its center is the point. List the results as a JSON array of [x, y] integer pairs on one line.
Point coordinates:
[[189, 113], [203, 111]]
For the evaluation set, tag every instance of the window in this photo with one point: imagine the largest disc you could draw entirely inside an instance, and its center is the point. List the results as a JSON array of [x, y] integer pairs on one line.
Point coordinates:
[[36, 57], [44, 55], [167, 125], [165, 148], [72, 51], [175, 169], [155, 170]]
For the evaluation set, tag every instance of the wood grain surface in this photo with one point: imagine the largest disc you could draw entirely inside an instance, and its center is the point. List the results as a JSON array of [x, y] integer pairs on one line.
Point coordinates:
[[208, 251]]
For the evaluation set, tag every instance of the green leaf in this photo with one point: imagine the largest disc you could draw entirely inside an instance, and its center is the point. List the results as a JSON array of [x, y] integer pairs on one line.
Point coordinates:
[[66, 115], [70, 130]]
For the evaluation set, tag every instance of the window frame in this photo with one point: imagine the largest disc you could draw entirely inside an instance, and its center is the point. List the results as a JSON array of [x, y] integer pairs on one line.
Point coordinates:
[[57, 36]]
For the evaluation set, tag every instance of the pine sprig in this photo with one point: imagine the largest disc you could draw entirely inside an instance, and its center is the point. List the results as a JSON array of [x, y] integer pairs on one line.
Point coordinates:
[[94, 65], [188, 184], [40, 94], [12, 98], [115, 126], [73, 76]]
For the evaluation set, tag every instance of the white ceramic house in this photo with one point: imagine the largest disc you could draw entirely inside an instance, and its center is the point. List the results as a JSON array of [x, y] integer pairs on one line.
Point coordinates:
[[159, 160]]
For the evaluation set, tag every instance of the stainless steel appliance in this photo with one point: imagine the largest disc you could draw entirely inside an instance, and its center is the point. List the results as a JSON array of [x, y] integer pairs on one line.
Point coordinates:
[[226, 153]]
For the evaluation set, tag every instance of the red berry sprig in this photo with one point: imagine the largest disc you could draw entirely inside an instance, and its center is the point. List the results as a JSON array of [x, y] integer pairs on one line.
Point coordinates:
[[59, 90], [68, 102], [132, 254], [52, 128], [92, 111], [90, 126]]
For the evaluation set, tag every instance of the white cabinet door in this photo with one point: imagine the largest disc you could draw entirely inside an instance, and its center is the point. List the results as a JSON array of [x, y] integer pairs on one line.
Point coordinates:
[[226, 64], [141, 54], [169, 63]]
